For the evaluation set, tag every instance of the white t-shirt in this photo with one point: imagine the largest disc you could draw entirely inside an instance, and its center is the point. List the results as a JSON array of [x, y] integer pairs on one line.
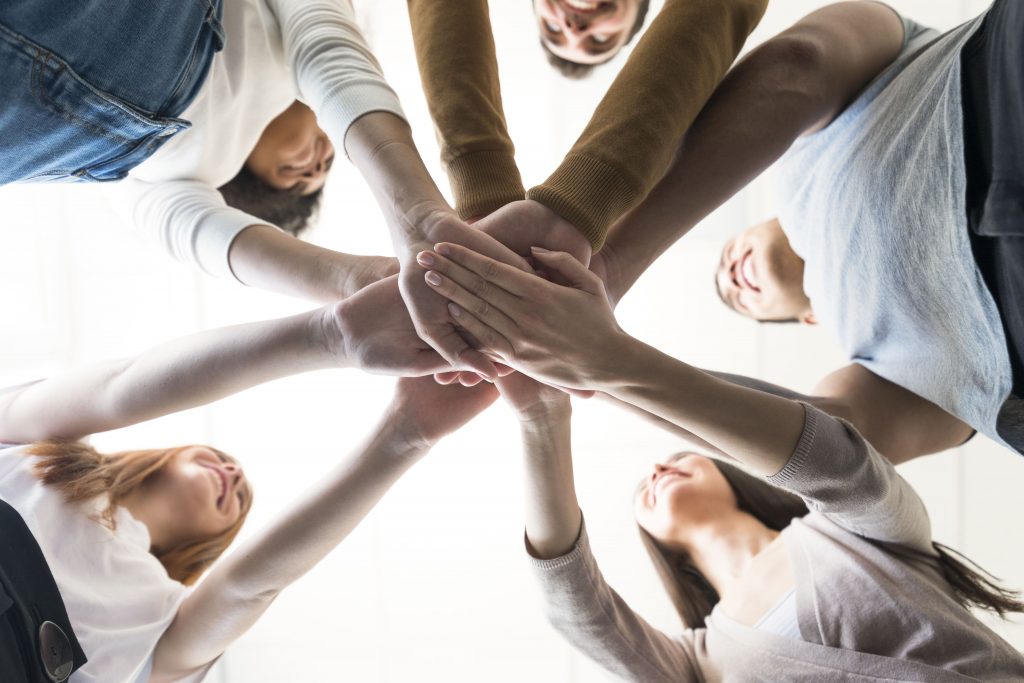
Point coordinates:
[[276, 51], [118, 596]]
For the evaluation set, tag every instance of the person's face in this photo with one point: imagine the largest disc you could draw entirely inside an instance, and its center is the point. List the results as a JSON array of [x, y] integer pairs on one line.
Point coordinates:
[[293, 153], [681, 495], [761, 277], [585, 31], [197, 495]]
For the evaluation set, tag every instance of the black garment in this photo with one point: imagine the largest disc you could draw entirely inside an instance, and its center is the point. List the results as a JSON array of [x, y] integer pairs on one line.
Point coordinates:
[[33, 620], [993, 102]]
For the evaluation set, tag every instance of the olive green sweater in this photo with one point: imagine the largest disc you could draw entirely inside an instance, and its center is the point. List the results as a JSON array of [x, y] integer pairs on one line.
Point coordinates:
[[632, 136]]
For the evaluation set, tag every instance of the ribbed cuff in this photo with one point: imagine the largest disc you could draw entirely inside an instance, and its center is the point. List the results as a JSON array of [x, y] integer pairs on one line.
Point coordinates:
[[588, 193], [483, 182], [795, 465]]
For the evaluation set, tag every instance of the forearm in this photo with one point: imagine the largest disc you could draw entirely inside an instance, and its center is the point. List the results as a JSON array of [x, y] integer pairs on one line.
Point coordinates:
[[752, 119], [629, 141], [265, 257], [759, 429], [177, 375], [240, 588], [456, 57], [552, 512], [380, 144]]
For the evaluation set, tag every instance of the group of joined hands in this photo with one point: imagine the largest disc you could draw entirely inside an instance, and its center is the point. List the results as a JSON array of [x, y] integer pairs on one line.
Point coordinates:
[[473, 301]]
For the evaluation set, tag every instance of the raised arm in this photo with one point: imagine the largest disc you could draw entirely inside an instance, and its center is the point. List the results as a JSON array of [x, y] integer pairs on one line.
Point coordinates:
[[567, 335], [455, 53], [371, 330], [794, 83], [628, 143], [578, 601], [241, 587]]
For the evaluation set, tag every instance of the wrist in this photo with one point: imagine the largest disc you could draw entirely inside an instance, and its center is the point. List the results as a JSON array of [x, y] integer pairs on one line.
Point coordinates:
[[544, 421], [329, 333], [624, 361]]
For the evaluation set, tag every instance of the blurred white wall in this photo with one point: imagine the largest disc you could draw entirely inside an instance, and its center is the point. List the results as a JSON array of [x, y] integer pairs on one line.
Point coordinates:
[[434, 586]]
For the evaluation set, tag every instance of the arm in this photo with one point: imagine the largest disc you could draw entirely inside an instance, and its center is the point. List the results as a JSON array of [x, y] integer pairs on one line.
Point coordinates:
[[241, 587], [371, 330], [579, 603], [455, 53], [629, 141], [568, 336], [794, 83]]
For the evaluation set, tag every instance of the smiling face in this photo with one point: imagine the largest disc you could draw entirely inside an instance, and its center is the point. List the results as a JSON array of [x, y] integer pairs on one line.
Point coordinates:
[[681, 495], [293, 153], [760, 276], [197, 495], [586, 31]]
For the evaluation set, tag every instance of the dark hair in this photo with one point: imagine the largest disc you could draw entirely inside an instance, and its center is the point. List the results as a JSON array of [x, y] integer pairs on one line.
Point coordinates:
[[694, 597], [575, 70], [285, 209]]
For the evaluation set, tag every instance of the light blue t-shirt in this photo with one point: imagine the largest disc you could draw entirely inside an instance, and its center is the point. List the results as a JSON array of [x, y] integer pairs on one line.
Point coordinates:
[[875, 206]]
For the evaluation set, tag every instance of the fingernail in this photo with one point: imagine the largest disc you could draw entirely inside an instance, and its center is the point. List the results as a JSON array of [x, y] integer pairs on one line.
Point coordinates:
[[433, 278], [454, 310], [443, 249], [539, 250], [425, 258]]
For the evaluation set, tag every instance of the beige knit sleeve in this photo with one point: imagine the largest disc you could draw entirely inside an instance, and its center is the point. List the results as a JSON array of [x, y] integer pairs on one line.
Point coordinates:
[[633, 134], [459, 70]]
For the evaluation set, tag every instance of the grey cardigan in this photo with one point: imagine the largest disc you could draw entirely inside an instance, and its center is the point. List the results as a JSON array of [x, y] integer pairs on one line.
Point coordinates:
[[871, 602]]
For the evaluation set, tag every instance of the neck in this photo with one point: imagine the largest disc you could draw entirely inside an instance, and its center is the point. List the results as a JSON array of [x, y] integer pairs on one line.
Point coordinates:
[[723, 548], [137, 506]]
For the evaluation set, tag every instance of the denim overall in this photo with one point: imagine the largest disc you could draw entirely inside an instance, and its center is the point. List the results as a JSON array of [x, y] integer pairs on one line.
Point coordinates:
[[90, 89]]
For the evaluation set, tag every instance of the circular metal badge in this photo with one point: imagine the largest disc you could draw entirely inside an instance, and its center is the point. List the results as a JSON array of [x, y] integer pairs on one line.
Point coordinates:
[[55, 652]]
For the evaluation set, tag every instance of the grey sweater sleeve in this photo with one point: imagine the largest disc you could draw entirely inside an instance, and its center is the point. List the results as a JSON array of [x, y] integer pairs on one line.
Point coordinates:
[[839, 474], [590, 615]]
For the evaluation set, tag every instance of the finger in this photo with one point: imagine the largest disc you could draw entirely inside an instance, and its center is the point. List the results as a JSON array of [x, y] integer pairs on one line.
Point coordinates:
[[458, 353], [445, 378], [427, 362], [503, 370], [512, 280], [484, 311], [482, 243], [469, 379], [480, 286], [566, 265], [488, 337]]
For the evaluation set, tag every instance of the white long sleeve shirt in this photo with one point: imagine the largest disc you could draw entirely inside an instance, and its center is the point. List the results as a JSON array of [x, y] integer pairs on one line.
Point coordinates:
[[276, 51]]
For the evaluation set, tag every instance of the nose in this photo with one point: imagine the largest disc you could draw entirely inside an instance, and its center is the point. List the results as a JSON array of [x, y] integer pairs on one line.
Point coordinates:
[[234, 471], [576, 23]]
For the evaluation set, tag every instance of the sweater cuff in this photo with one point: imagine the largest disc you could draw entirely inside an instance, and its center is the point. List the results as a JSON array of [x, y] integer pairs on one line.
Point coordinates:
[[338, 111], [588, 193], [580, 550], [801, 452], [212, 239], [483, 182]]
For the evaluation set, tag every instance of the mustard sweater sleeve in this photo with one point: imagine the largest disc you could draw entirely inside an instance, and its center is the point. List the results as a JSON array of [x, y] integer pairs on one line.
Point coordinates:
[[637, 127], [459, 70]]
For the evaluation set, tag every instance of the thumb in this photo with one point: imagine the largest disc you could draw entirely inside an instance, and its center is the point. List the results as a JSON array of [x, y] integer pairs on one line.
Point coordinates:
[[570, 268]]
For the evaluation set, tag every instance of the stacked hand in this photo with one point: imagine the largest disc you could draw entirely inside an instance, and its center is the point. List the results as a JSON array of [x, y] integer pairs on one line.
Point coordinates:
[[564, 335]]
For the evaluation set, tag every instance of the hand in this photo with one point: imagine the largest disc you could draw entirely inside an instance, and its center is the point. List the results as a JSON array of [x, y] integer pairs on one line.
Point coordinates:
[[429, 311], [532, 401], [372, 330], [564, 335], [605, 265], [430, 411], [525, 224]]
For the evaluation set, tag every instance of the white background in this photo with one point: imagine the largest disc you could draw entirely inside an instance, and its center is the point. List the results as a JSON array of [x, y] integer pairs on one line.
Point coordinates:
[[434, 585]]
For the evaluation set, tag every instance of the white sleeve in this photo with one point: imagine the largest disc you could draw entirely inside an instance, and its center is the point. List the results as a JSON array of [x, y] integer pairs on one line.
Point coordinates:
[[336, 74], [188, 218]]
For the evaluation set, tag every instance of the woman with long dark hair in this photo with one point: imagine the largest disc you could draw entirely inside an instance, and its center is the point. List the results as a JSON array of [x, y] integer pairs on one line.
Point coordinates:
[[125, 535], [850, 587]]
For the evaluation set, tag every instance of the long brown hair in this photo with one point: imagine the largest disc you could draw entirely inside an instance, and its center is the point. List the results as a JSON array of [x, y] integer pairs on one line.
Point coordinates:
[[82, 474], [694, 597]]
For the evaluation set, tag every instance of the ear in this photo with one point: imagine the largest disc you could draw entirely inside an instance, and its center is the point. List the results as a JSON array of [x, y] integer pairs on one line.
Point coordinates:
[[808, 318]]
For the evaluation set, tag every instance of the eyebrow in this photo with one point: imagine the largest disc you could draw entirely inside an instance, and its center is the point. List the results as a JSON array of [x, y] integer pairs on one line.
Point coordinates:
[[604, 48]]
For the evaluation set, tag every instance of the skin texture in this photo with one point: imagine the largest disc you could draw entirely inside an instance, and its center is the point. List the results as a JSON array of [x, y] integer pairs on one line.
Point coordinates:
[[585, 35], [760, 276], [197, 495], [293, 153]]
